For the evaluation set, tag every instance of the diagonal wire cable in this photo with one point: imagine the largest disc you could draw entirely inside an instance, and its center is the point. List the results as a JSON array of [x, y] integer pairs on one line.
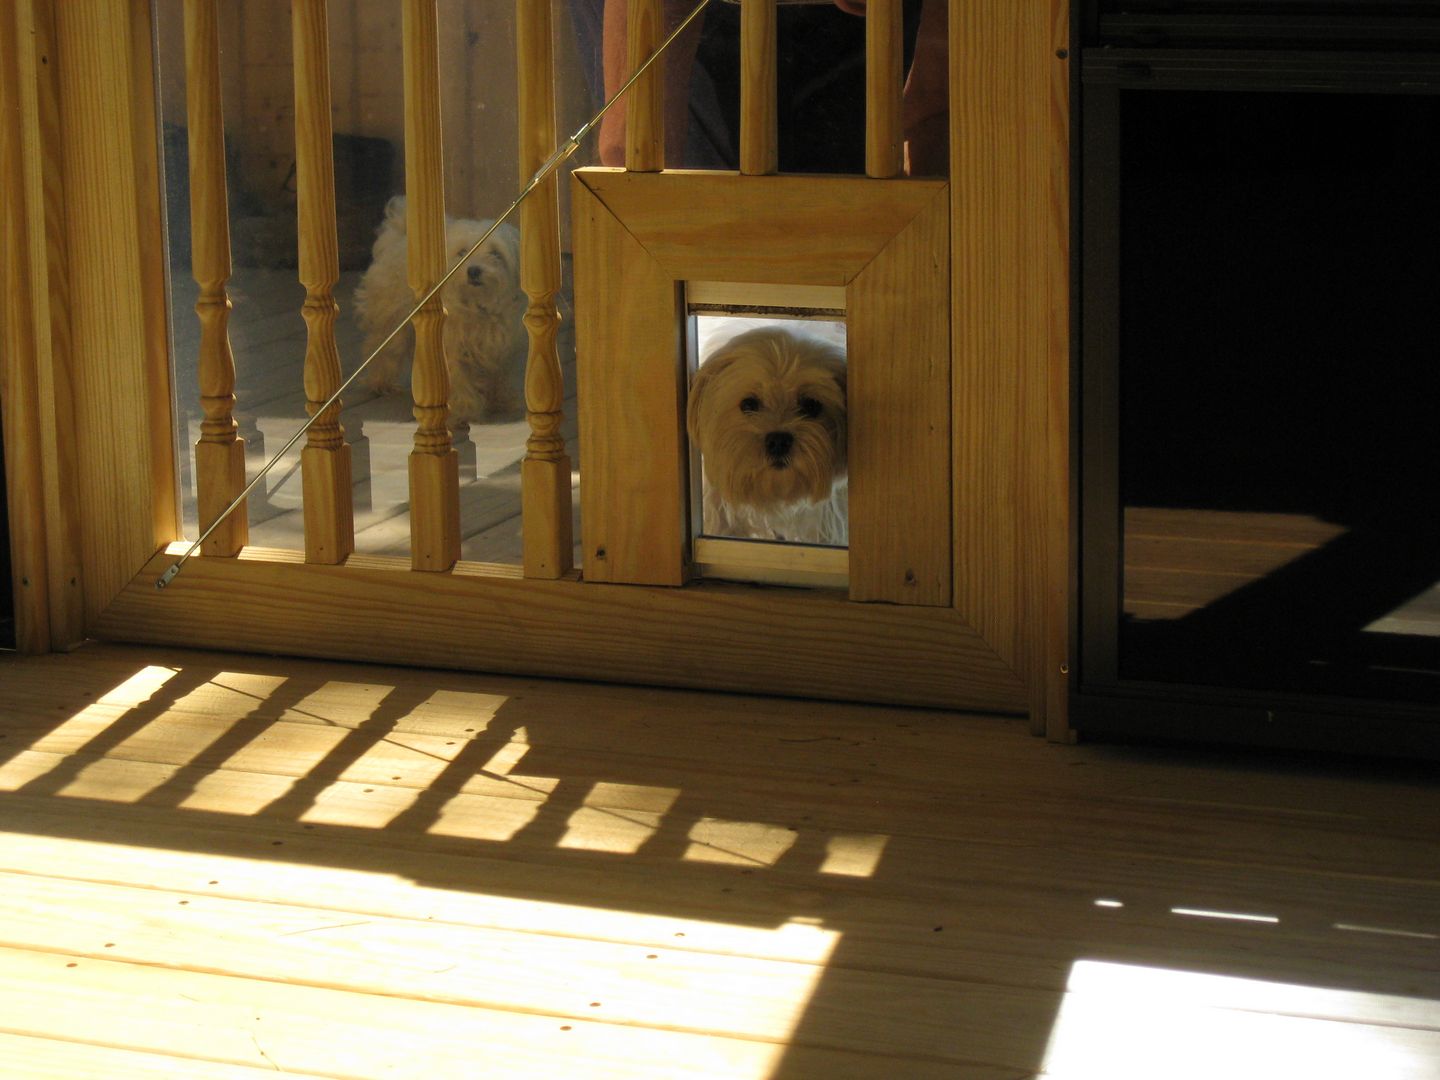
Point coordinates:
[[562, 154]]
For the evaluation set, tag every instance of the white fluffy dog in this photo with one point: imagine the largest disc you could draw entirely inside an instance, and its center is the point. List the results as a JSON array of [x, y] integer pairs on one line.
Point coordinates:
[[767, 412], [485, 338]]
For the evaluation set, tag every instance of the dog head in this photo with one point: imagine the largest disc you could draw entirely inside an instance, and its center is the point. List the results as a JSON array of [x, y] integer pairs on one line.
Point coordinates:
[[767, 411], [490, 280], [488, 283]]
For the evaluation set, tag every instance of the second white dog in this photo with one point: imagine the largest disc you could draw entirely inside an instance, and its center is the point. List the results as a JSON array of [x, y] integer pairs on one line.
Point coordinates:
[[767, 412], [485, 338]]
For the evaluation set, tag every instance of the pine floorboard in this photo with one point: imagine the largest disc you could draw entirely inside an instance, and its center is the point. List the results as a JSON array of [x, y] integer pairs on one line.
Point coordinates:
[[217, 866]]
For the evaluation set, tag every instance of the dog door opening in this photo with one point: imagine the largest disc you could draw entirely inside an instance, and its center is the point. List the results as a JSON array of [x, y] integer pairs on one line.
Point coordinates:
[[766, 416]]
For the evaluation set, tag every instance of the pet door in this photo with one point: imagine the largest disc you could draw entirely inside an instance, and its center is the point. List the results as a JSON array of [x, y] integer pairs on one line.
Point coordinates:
[[881, 245], [766, 416]]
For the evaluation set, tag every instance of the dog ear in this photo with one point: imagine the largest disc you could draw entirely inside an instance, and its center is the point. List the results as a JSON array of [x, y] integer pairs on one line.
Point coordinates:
[[508, 246], [395, 214], [700, 388], [837, 372]]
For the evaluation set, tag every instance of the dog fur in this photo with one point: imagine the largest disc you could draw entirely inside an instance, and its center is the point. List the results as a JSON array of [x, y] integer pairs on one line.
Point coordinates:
[[767, 411], [485, 338]]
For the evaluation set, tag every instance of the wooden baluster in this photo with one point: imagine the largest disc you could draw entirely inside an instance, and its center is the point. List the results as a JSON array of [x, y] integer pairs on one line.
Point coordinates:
[[325, 461], [434, 464], [645, 111], [220, 453], [759, 149], [884, 85], [545, 473]]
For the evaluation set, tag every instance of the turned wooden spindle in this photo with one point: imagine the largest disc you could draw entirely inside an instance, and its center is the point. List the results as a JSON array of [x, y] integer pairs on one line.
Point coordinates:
[[325, 461], [759, 148], [645, 110], [884, 86], [434, 464], [220, 453], [545, 473]]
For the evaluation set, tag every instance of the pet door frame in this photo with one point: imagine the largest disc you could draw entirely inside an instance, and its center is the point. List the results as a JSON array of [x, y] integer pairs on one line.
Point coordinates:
[[639, 237]]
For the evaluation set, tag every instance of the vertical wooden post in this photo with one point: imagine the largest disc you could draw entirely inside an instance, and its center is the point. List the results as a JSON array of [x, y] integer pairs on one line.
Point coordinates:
[[434, 464], [884, 85], [545, 473], [759, 146], [36, 376], [220, 453], [325, 461], [645, 116]]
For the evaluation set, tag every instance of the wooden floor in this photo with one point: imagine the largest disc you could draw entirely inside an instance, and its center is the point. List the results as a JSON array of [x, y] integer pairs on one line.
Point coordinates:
[[226, 866]]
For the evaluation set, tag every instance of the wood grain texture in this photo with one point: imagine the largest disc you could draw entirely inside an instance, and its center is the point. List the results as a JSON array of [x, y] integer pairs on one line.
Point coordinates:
[[722, 226], [645, 104], [390, 867], [759, 123], [808, 644], [25, 338], [991, 316], [1009, 140], [39, 329], [1052, 665], [631, 390], [898, 318], [124, 474], [220, 453], [325, 462], [548, 537], [884, 81], [434, 500]]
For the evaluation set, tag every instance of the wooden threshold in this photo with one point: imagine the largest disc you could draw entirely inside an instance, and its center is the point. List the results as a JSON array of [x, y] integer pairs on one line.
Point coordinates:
[[803, 643]]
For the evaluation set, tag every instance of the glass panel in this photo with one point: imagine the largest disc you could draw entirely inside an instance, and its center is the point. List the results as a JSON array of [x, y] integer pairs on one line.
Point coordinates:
[[1280, 401], [767, 421], [485, 339]]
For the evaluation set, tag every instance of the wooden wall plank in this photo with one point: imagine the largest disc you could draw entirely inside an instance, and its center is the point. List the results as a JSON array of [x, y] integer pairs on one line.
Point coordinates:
[[989, 316], [723, 228], [899, 385], [41, 282], [632, 419], [1009, 142], [122, 417], [790, 642], [24, 337]]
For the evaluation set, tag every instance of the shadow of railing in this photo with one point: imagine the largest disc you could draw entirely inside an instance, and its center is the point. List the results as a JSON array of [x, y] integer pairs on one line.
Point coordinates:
[[961, 886]]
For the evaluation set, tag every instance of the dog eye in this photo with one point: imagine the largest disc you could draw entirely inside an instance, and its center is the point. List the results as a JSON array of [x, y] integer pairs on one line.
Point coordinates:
[[809, 408], [750, 404]]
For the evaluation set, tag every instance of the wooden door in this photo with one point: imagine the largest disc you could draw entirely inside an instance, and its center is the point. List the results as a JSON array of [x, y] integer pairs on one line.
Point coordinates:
[[957, 591]]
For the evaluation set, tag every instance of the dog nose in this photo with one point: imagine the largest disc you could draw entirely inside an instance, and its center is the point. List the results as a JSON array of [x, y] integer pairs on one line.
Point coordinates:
[[475, 273], [778, 443]]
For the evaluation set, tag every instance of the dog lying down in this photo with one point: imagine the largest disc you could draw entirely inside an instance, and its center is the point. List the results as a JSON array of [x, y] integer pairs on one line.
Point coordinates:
[[485, 337], [767, 412]]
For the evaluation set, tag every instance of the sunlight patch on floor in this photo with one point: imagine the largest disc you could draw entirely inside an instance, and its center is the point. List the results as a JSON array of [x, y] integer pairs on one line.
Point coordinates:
[[1128, 1022], [853, 855], [738, 843], [618, 818]]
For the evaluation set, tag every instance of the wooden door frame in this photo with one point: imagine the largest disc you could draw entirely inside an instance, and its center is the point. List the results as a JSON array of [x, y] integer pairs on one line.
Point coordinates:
[[1010, 358]]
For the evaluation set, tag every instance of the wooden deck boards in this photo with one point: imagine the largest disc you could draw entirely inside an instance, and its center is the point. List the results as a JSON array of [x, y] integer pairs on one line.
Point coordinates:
[[214, 865]]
